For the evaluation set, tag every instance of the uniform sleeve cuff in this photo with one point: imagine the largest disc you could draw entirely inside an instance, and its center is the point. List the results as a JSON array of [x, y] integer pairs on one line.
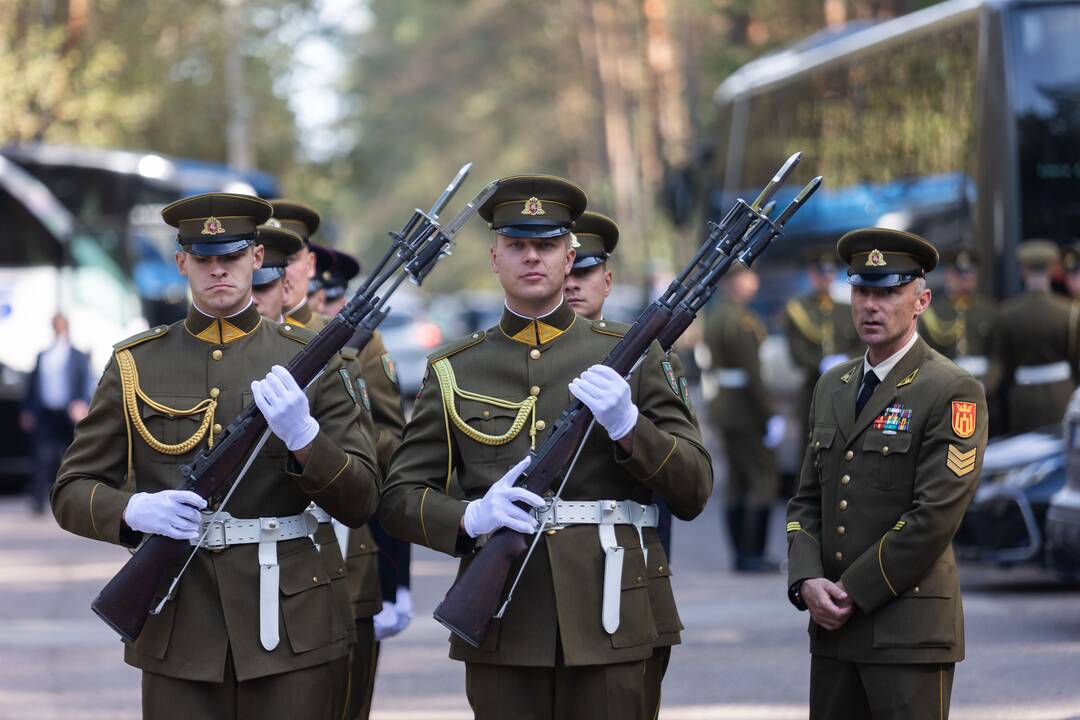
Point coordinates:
[[326, 463], [867, 587], [652, 449], [440, 523], [107, 505], [804, 558]]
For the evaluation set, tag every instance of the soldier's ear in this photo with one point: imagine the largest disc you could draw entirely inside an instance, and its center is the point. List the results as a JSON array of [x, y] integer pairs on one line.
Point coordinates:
[[258, 255], [181, 262]]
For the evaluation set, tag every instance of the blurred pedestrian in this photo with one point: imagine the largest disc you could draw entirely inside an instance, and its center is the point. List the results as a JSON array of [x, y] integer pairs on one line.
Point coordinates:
[[744, 416], [894, 458], [958, 323], [1036, 346], [57, 393]]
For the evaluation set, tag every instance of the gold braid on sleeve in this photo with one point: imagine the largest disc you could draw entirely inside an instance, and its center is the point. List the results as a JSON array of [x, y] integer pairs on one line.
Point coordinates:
[[129, 383], [449, 388]]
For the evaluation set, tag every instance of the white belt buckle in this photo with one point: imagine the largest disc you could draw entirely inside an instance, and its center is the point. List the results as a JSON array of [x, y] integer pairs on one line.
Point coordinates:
[[547, 517]]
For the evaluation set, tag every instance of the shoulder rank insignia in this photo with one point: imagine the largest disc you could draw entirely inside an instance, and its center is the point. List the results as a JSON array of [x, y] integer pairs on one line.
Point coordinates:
[[669, 374], [533, 206], [794, 526], [348, 383], [212, 226], [963, 418], [959, 461], [389, 367], [362, 386], [684, 391]]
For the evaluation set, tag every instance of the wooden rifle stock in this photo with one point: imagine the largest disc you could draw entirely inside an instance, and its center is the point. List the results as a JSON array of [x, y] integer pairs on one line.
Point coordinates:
[[472, 601]]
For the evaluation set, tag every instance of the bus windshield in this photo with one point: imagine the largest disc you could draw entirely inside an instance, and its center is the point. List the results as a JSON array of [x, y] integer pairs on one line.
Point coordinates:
[[1045, 93]]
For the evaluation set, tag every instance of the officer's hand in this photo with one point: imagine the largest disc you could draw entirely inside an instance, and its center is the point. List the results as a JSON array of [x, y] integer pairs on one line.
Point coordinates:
[[285, 407], [385, 621], [403, 608], [172, 513], [830, 361], [774, 431], [829, 605], [607, 394], [497, 509]]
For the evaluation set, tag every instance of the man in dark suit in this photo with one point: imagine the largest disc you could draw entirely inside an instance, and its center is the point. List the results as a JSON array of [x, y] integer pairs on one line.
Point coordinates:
[[57, 395]]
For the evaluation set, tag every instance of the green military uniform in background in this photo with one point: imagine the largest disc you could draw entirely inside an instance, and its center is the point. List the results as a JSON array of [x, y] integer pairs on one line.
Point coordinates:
[[740, 411], [376, 386], [1036, 348], [486, 400], [880, 496], [959, 326], [165, 395]]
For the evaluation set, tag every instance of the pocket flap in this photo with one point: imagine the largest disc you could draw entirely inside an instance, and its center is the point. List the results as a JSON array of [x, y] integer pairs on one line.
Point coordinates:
[[634, 573], [822, 437], [302, 570], [883, 444], [658, 564], [473, 410]]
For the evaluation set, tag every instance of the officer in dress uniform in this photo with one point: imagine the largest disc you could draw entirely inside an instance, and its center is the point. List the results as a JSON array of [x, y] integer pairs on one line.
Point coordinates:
[[958, 325], [818, 331], [266, 282], [742, 412], [1036, 345], [896, 447], [252, 629], [565, 648], [377, 388]]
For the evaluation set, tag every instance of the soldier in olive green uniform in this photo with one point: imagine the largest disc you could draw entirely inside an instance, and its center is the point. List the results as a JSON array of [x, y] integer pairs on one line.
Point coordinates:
[[266, 282], [377, 388], [564, 648], [1036, 346], [589, 281], [252, 629], [958, 325], [743, 415], [896, 446], [819, 332]]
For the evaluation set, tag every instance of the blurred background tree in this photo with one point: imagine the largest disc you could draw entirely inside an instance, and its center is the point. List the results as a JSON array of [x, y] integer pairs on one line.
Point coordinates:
[[612, 93]]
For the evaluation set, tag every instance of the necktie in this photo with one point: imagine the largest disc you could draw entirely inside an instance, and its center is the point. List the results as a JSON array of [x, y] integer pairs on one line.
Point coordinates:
[[870, 381]]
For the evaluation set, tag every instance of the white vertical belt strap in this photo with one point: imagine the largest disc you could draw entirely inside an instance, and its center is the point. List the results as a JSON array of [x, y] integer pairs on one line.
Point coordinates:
[[613, 562], [269, 573], [342, 532]]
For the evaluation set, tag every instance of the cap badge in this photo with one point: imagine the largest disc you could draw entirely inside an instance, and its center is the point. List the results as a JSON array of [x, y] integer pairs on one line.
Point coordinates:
[[876, 259], [533, 206], [574, 241], [212, 226], [273, 222]]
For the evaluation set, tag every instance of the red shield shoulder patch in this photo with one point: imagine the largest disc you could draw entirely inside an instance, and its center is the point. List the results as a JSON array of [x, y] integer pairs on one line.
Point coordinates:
[[963, 418]]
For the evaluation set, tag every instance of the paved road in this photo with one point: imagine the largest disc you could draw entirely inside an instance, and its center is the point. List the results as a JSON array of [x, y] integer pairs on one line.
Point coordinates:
[[744, 655]]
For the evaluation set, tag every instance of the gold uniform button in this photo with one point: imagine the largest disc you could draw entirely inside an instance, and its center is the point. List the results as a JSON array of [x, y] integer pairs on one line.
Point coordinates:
[[550, 532], [817, 444], [534, 390], [216, 354], [314, 578], [843, 504], [660, 568], [915, 589], [286, 328], [885, 450], [848, 455], [540, 425], [841, 530], [534, 354], [475, 335], [157, 331], [845, 480], [839, 556], [217, 428], [604, 325], [639, 578], [214, 392], [486, 413], [363, 546], [549, 493]]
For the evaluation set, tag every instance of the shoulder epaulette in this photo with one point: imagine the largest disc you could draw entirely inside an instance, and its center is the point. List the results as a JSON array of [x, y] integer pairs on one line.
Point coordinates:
[[151, 334], [606, 327], [295, 332], [456, 346]]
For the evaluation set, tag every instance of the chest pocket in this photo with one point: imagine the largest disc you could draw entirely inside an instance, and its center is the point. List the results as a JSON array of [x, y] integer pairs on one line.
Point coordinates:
[[821, 441], [169, 429], [495, 430], [887, 459]]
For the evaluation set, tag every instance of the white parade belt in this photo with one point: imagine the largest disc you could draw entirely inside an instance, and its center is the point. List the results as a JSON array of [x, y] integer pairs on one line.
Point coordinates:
[[1042, 374], [341, 530], [225, 531]]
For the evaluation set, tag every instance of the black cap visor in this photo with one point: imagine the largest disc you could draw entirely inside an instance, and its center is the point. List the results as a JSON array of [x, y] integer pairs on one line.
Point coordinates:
[[882, 281], [266, 275], [227, 247], [533, 231], [582, 262], [333, 292]]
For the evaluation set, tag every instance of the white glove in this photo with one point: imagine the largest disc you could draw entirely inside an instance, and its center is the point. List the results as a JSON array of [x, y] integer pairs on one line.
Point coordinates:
[[385, 621], [774, 431], [497, 509], [285, 407], [607, 394], [404, 609], [830, 361], [172, 513]]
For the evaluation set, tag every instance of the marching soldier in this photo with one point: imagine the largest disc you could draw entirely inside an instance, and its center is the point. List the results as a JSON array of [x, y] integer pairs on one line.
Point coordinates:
[[266, 282], [1036, 345], [377, 388], [566, 647], [589, 282], [741, 411], [959, 325], [896, 447], [251, 631], [818, 331]]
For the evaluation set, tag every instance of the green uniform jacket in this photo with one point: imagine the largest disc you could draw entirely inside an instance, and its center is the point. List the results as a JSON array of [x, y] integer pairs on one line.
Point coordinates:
[[734, 336], [381, 396], [216, 608], [458, 430], [877, 508], [958, 327], [1032, 329]]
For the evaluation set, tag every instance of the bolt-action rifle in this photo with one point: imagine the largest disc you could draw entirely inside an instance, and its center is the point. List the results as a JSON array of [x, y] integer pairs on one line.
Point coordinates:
[[130, 597], [477, 595]]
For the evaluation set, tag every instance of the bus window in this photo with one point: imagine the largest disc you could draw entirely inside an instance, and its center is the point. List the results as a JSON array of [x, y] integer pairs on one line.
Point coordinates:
[[25, 242], [1045, 92]]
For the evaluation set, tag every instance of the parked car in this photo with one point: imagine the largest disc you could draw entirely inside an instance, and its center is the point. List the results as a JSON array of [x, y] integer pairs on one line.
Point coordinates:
[[1063, 516], [1006, 521]]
